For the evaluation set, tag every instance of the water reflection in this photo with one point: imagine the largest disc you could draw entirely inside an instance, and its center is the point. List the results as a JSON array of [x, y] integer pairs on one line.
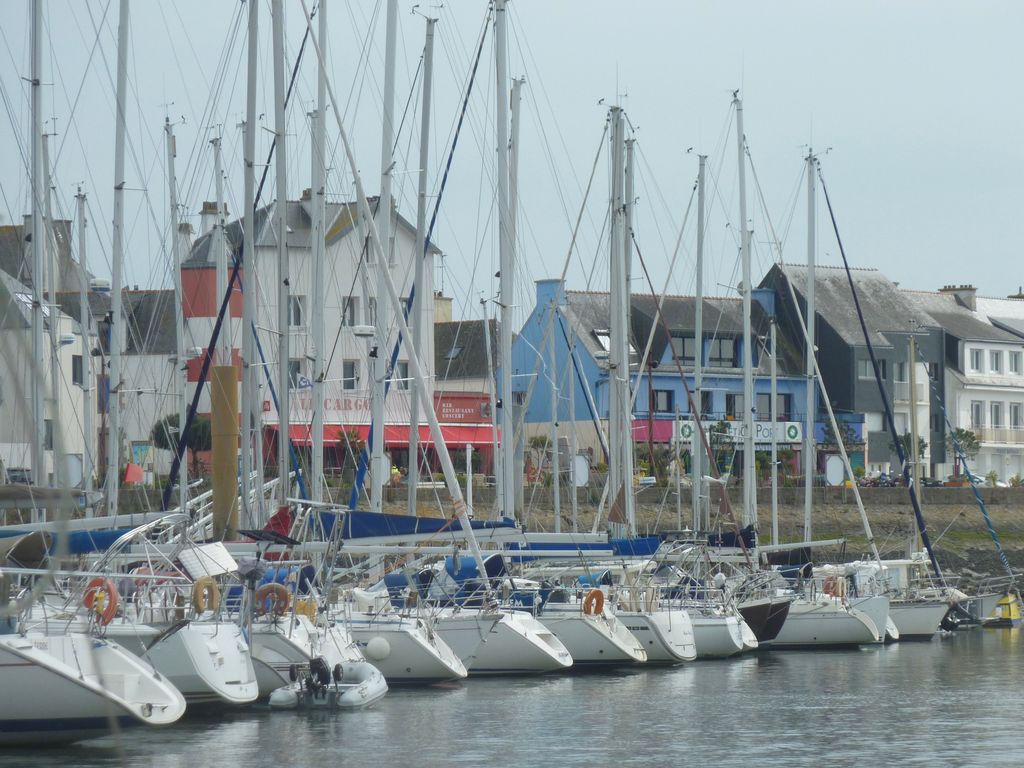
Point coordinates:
[[951, 701]]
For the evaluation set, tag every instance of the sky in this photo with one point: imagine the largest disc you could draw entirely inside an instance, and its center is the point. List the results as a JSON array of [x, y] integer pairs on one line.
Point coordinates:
[[912, 108]]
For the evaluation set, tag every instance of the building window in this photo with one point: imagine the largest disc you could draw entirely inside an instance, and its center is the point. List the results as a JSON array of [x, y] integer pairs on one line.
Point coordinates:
[[734, 406], [350, 374], [371, 311], [722, 353], [295, 373], [400, 376], [297, 311], [764, 406], [664, 401], [977, 360], [1016, 412], [782, 407], [1015, 363], [977, 414], [864, 370], [933, 371], [997, 414], [706, 403], [519, 397], [936, 422], [995, 361], [684, 349], [901, 371], [76, 370], [454, 352], [350, 312]]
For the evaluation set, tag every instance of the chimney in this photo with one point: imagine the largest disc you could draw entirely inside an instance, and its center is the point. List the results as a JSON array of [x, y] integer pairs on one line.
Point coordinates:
[[185, 233], [964, 294], [208, 216]]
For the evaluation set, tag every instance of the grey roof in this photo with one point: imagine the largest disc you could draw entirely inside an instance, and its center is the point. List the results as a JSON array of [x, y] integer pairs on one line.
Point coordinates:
[[464, 338], [15, 311], [886, 308], [722, 317], [16, 253], [342, 217], [149, 318], [956, 319]]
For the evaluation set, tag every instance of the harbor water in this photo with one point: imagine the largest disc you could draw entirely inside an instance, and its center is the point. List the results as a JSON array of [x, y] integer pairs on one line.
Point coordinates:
[[954, 700]]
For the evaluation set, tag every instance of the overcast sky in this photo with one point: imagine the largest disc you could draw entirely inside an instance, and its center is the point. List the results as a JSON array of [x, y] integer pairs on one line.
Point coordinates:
[[917, 104]]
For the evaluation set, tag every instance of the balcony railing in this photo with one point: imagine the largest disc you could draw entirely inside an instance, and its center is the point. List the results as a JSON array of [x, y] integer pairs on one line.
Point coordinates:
[[1006, 435]]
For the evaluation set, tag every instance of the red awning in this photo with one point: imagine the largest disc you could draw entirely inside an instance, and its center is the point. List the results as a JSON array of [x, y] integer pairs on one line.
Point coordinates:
[[662, 432], [395, 434]]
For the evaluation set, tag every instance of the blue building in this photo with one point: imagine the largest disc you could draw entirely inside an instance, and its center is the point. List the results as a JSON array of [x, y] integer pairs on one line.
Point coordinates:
[[580, 320]]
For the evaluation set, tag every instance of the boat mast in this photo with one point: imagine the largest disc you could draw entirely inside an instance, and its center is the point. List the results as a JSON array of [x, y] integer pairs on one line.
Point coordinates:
[[416, 314], [809, 458], [222, 354], [318, 200], [50, 255], [180, 369], [379, 362], [573, 442], [625, 315], [38, 351], [556, 484], [620, 476], [775, 443], [913, 455], [696, 448], [749, 480], [85, 323], [117, 255], [506, 258], [252, 417], [283, 272]]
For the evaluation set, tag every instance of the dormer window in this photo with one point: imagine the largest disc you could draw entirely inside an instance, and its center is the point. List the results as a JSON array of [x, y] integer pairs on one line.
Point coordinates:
[[684, 349], [977, 360], [722, 353], [995, 360]]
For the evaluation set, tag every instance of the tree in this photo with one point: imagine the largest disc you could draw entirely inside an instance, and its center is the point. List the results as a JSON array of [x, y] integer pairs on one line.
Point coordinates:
[[962, 441], [846, 432], [164, 435], [905, 441]]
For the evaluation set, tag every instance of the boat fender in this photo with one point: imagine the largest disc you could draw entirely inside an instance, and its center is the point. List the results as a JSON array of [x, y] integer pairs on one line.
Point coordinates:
[[378, 648], [293, 672], [593, 603], [205, 595], [339, 673], [273, 598], [102, 599]]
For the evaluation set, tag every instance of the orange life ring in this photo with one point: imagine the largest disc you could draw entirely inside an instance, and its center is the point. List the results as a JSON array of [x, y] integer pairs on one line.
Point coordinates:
[[593, 603], [273, 598], [102, 599], [205, 595]]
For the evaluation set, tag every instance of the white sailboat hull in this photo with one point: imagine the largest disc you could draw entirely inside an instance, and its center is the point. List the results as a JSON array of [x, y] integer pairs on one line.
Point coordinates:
[[517, 644], [593, 640], [917, 619], [207, 661], [824, 622], [716, 637], [667, 635], [62, 696], [404, 651]]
